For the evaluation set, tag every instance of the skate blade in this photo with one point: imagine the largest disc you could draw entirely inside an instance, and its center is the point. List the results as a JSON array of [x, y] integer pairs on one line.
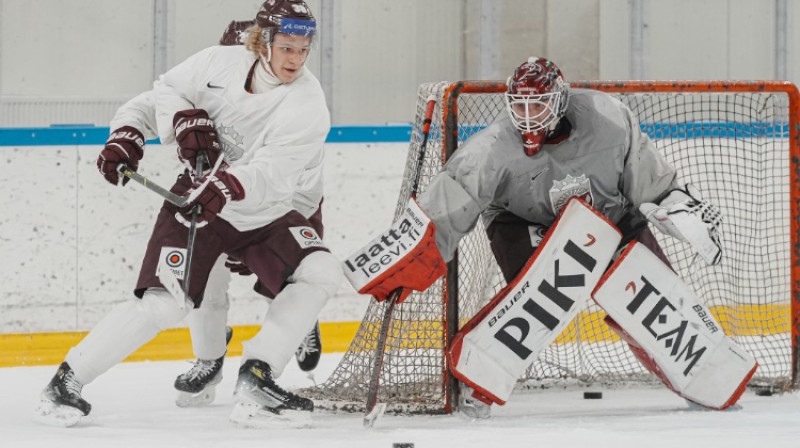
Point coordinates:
[[251, 415], [52, 414], [189, 400]]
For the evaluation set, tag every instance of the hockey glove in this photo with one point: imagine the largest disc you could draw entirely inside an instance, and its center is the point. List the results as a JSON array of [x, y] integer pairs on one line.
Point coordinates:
[[237, 267], [405, 257], [684, 215], [194, 132], [221, 188], [124, 146]]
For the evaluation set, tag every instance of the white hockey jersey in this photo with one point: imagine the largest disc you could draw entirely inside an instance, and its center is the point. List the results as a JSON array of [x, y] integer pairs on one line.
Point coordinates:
[[276, 137], [606, 160], [140, 112]]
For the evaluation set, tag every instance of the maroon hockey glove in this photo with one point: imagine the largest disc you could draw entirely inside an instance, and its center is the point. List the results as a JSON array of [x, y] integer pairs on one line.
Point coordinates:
[[194, 132], [124, 146], [222, 187], [237, 267]]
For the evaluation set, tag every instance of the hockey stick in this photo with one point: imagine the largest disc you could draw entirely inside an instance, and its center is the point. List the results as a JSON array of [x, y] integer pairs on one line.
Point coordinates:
[[169, 196], [374, 411], [172, 198], [187, 275]]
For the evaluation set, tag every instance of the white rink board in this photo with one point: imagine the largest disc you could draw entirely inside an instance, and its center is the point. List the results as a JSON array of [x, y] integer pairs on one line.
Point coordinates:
[[72, 244]]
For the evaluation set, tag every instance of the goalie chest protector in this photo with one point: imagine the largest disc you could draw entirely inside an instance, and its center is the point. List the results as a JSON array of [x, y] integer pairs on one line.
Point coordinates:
[[664, 317], [496, 346]]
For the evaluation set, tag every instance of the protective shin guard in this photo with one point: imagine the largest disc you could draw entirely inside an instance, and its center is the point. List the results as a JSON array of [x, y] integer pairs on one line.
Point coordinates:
[[295, 310], [207, 327], [121, 332], [207, 323]]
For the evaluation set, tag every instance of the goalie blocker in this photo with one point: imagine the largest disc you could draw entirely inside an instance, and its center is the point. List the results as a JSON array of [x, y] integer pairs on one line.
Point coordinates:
[[404, 257], [671, 332], [496, 346]]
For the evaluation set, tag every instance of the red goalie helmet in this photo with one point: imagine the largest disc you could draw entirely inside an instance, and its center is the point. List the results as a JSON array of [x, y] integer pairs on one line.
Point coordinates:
[[285, 16], [536, 99]]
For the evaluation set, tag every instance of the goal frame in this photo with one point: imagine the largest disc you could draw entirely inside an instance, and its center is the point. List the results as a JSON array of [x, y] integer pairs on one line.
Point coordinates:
[[450, 143]]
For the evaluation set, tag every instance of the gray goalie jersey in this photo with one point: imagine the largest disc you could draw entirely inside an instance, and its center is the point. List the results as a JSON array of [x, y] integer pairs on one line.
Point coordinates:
[[606, 160]]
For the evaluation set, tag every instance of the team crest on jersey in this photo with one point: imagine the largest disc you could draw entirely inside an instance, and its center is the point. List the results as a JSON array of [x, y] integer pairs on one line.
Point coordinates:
[[306, 237], [563, 190], [232, 143]]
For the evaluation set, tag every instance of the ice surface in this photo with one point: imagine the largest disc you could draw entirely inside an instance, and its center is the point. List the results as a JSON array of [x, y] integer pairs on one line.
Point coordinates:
[[134, 406]]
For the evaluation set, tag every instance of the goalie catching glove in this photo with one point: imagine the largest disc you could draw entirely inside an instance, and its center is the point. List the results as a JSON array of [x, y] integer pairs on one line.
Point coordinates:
[[684, 215], [215, 190], [404, 257]]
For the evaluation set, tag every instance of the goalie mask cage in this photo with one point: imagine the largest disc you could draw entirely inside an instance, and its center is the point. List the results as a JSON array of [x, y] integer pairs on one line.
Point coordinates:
[[736, 141]]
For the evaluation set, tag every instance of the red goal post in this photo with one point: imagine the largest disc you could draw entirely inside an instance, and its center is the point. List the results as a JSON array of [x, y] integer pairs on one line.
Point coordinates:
[[738, 141]]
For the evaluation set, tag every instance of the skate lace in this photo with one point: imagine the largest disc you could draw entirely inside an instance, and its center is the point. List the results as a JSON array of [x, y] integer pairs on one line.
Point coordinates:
[[201, 369], [288, 396], [72, 385], [308, 346]]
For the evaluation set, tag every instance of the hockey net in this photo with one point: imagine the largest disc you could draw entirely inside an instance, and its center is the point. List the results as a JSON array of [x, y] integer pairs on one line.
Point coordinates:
[[736, 141]]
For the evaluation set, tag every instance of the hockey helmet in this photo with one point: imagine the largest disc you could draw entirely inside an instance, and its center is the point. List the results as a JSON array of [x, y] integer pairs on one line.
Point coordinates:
[[285, 16], [536, 99]]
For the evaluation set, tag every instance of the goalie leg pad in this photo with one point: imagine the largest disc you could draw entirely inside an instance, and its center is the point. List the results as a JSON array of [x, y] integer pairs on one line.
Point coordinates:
[[506, 336], [671, 331]]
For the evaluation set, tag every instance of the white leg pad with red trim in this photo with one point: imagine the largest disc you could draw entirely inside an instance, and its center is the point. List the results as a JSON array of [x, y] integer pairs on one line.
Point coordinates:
[[671, 332], [496, 346]]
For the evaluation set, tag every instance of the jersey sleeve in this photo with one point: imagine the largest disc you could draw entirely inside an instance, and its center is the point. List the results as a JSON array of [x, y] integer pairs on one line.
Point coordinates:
[[646, 176], [138, 112], [177, 89], [456, 197]]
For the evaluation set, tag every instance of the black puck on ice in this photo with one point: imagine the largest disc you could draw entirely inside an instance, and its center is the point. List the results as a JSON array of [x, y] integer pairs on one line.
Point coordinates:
[[402, 445], [764, 392], [592, 395]]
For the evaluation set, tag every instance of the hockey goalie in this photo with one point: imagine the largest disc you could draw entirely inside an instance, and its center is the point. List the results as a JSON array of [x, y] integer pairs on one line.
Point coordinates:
[[561, 181]]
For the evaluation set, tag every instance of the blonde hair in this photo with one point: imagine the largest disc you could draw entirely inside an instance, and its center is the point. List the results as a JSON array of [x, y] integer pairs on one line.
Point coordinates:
[[255, 41]]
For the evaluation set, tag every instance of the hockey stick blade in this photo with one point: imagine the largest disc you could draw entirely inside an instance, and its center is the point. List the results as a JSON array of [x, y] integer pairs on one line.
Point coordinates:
[[169, 196], [371, 417]]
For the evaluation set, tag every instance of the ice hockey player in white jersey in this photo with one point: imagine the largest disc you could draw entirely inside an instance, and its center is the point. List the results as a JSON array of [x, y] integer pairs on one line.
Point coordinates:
[[207, 324], [272, 121], [135, 122], [553, 144]]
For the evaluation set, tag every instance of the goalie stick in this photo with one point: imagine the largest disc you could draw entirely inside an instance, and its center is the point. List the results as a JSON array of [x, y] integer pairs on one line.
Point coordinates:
[[373, 410]]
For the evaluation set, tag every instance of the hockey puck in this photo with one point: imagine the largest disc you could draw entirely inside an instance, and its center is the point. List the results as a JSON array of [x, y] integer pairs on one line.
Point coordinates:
[[592, 395], [764, 392], [402, 445]]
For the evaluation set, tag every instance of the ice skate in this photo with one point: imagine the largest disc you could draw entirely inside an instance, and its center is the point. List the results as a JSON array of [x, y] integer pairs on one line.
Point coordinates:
[[310, 350], [197, 387], [61, 402], [471, 406], [260, 403]]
